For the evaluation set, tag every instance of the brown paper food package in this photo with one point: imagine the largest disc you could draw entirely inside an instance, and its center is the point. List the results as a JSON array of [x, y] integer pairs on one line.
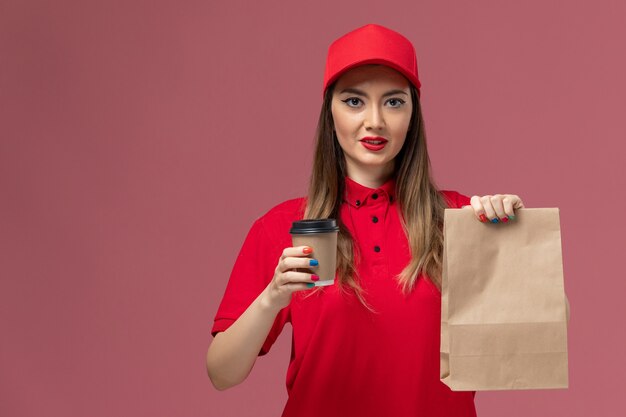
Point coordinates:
[[503, 305]]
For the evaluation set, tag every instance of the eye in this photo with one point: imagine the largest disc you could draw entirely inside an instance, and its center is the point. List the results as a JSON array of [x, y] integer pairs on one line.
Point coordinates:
[[396, 102], [352, 101]]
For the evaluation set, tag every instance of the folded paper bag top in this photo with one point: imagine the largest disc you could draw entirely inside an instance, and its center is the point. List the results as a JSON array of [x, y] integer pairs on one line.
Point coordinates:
[[503, 309]]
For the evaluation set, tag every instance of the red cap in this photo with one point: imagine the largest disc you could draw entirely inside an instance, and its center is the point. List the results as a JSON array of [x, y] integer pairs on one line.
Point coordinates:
[[371, 44]]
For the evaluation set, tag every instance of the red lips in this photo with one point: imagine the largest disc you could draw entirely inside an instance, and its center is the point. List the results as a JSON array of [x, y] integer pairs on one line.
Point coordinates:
[[374, 147], [377, 138]]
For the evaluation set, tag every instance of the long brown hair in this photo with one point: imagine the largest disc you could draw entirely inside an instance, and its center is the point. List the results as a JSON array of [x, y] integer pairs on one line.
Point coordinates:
[[422, 206]]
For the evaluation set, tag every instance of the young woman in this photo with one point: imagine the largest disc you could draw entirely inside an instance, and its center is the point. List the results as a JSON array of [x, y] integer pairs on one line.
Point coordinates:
[[369, 344]]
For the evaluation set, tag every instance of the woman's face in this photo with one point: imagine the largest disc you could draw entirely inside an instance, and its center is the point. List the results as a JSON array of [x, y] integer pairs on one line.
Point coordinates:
[[371, 101]]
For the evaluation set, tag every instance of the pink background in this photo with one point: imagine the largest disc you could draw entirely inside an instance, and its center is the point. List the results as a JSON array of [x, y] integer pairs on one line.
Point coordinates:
[[140, 140]]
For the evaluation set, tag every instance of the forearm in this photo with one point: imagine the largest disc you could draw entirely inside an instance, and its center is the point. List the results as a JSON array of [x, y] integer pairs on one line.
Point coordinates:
[[232, 353]]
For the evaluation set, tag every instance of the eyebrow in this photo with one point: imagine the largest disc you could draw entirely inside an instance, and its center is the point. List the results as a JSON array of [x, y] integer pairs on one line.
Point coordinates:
[[362, 93]]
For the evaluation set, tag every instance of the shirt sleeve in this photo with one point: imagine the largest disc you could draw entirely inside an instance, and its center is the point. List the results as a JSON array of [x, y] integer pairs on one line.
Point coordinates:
[[462, 200], [454, 199], [252, 272]]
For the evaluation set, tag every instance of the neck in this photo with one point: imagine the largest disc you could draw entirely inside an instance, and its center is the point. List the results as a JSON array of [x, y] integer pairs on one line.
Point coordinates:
[[372, 177]]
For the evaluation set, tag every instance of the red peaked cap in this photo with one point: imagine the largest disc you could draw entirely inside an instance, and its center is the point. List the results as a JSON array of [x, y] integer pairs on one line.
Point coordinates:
[[371, 44]]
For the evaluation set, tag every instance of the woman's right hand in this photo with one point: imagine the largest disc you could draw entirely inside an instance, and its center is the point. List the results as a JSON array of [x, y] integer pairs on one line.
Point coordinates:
[[288, 277]]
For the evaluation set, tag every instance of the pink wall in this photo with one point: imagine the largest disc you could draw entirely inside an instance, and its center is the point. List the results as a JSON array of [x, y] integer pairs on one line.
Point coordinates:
[[140, 139]]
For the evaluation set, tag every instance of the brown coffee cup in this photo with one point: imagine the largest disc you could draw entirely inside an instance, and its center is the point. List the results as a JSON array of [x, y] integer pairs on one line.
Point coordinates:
[[321, 235]]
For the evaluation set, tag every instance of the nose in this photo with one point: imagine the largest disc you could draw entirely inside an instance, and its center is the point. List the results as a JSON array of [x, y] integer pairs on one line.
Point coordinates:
[[374, 118]]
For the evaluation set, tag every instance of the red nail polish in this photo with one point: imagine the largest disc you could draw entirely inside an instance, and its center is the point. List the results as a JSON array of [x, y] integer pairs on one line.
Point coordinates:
[[315, 278], [505, 219], [483, 218], [307, 250]]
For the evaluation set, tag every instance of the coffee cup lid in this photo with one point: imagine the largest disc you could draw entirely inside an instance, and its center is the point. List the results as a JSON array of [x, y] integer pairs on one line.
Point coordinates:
[[314, 226]]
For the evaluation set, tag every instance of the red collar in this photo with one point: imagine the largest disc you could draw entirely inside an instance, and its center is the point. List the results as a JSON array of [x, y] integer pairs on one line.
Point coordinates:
[[358, 195]]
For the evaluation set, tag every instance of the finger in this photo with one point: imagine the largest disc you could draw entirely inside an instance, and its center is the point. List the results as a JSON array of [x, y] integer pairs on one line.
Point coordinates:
[[498, 207], [488, 207], [296, 251], [477, 206], [298, 286], [507, 202], [280, 285], [298, 263], [517, 202], [296, 281], [295, 277], [512, 202]]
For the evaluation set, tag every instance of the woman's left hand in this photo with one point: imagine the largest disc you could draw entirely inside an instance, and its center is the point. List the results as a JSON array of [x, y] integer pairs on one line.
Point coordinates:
[[495, 208]]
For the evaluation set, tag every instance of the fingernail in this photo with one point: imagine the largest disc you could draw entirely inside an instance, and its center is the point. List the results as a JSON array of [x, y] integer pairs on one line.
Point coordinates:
[[307, 250], [483, 218], [494, 220], [310, 285], [511, 217], [313, 262], [505, 219], [315, 278]]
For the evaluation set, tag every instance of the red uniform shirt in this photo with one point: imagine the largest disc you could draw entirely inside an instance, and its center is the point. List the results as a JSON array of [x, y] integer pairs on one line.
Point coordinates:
[[345, 360]]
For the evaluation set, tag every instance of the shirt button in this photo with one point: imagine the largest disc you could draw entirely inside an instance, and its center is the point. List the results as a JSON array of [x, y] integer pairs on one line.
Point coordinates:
[[358, 202], [374, 196], [375, 219], [377, 248]]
